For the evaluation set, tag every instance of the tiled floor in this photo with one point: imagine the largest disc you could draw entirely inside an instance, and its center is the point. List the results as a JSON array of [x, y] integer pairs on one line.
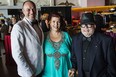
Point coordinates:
[[6, 70]]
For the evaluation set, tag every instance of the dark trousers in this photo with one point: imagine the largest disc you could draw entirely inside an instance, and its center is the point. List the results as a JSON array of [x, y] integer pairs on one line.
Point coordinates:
[[86, 74]]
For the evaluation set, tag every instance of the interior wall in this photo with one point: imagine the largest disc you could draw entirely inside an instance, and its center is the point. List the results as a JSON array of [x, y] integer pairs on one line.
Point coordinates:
[[113, 1], [95, 2], [42, 2], [78, 3]]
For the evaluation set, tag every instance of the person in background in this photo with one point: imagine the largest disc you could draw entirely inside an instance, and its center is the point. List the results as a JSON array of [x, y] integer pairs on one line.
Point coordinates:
[[13, 22], [57, 46], [93, 53], [3, 29], [27, 43], [44, 22], [7, 21], [99, 21], [64, 23], [3, 32], [2, 16]]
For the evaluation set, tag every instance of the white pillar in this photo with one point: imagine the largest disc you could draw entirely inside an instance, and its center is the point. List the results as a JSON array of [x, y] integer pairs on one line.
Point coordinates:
[[10, 2], [51, 2]]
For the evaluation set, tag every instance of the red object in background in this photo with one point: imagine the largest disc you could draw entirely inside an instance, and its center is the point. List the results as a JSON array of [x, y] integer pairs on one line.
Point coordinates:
[[7, 43], [75, 22]]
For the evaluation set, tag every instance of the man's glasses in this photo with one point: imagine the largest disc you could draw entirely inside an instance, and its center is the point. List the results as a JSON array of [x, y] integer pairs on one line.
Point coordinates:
[[87, 25]]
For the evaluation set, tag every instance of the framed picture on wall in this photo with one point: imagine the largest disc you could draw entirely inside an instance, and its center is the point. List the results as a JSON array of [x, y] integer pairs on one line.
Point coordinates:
[[65, 11]]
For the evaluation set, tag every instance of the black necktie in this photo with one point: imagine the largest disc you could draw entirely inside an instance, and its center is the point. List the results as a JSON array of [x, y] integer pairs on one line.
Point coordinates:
[[34, 22]]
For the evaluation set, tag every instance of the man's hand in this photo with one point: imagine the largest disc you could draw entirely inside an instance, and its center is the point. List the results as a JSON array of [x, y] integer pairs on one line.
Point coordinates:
[[33, 75], [71, 73]]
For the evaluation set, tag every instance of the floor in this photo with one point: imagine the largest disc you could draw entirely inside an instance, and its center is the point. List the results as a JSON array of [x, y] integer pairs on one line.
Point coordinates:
[[6, 70]]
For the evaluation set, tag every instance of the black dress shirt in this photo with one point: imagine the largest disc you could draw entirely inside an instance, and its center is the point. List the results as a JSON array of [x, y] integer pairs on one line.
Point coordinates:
[[86, 56]]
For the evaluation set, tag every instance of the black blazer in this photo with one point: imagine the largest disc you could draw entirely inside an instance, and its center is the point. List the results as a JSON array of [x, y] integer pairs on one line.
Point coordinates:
[[103, 56]]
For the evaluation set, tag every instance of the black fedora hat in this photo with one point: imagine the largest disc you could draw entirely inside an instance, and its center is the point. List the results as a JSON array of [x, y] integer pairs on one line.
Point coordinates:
[[87, 18]]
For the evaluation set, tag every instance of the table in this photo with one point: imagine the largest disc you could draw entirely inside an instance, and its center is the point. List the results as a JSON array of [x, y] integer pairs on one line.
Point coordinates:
[[8, 52]]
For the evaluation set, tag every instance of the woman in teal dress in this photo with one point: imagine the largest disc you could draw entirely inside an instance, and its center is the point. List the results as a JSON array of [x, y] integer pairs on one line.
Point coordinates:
[[57, 46]]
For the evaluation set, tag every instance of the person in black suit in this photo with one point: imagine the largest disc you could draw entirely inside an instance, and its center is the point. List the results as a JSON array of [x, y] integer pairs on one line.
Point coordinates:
[[93, 53], [99, 21]]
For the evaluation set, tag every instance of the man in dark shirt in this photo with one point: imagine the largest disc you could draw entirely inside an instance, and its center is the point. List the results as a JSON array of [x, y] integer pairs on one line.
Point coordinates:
[[93, 53]]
